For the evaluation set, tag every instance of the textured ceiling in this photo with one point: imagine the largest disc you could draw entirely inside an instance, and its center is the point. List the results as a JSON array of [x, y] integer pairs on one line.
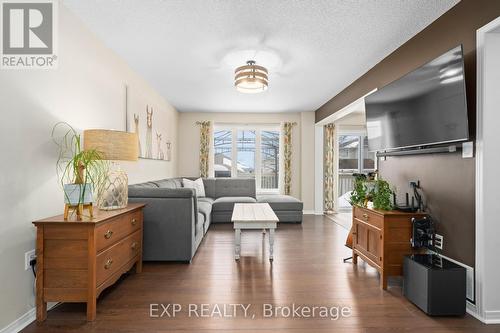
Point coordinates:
[[313, 48]]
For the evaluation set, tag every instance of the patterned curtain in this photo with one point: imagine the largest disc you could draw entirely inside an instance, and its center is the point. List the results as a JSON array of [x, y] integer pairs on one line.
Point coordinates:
[[329, 167], [205, 137], [287, 157]]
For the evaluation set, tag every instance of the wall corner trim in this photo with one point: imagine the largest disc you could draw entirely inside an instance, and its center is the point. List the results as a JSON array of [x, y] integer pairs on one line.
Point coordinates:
[[489, 317], [484, 315]]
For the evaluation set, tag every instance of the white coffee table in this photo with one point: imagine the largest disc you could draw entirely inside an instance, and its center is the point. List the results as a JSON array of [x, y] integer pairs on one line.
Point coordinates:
[[253, 216]]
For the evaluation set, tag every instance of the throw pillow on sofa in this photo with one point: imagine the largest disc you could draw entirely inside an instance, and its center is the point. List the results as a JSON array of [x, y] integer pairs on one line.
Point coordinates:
[[196, 184]]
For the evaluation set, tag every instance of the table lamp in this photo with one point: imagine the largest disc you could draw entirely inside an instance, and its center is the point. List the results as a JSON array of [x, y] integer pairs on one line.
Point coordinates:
[[114, 146]]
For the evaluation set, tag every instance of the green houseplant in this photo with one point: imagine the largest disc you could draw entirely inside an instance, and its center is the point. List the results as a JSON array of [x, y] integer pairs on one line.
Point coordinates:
[[359, 194], [381, 195], [80, 172], [378, 191]]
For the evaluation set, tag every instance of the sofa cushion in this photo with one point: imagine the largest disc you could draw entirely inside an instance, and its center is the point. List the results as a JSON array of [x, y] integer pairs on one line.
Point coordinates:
[[209, 187], [156, 192], [196, 184], [227, 203], [206, 225], [281, 202], [169, 183], [205, 208], [144, 185], [206, 199], [234, 187], [200, 223]]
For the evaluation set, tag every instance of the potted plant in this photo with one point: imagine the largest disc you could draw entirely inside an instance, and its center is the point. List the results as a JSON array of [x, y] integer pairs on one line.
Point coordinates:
[[381, 195], [80, 172], [376, 191], [359, 193]]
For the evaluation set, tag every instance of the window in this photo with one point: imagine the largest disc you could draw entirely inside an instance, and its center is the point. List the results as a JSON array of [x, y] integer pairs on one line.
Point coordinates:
[[269, 166], [348, 153], [368, 157], [255, 150], [245, 149], [222, 153], [354, 157]]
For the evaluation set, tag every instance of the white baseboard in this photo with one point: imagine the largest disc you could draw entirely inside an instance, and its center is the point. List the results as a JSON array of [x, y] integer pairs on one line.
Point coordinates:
[[308, 212], [20, 323], [489, 317], [492, 317], [23, 321]]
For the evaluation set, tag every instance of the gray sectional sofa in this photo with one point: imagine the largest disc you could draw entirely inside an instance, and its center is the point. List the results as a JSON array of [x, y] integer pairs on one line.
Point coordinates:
[[176, 220]]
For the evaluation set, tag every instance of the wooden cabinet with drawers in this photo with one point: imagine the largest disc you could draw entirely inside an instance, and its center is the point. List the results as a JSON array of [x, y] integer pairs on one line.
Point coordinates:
[[77, 260], [382, 239]]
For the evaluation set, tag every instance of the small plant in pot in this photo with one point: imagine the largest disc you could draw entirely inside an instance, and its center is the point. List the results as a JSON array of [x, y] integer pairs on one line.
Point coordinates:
[[359, 194], [80, 172], [377, 191], [382, 195]]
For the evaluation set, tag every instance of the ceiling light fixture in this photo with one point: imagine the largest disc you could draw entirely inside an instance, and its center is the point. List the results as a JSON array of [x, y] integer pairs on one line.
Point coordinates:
[[251, 78]]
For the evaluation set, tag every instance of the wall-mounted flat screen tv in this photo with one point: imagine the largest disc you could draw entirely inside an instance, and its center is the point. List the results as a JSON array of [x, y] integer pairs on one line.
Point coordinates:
[[424, 107]]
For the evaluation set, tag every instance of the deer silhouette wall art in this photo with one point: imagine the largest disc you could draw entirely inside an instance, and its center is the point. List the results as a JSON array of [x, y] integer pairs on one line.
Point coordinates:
[[149, 133]]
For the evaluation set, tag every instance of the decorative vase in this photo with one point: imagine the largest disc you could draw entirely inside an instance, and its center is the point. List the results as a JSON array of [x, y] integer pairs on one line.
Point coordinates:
[[114, 192], [78, 194]]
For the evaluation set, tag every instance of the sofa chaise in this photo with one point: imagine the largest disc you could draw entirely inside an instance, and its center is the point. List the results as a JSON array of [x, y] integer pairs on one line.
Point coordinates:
[[176, 220]]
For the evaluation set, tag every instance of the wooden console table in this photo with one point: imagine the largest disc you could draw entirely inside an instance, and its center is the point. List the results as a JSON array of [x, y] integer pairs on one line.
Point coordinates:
[[77, 260], [382, 239]]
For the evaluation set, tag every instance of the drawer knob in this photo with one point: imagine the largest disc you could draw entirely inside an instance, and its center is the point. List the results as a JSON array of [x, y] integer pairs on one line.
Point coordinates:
[[365, 216], [108, 234], [133, 246], [108, 264], [134, 221]]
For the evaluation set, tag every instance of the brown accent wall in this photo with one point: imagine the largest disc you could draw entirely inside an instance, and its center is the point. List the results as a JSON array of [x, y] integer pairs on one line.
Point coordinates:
[[448, 180]]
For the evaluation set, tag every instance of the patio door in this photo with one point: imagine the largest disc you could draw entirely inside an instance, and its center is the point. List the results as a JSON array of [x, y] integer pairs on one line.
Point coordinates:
[[353, 157]]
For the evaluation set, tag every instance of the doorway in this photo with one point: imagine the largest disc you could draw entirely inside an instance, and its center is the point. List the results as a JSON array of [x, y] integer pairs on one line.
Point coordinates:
[[353, 157], [348, 121]]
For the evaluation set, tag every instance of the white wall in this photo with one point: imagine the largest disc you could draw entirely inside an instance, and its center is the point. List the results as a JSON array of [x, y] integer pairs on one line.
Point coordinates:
[[189, 144], [318, 169], [307, 120], [353, 119], [87, 91]]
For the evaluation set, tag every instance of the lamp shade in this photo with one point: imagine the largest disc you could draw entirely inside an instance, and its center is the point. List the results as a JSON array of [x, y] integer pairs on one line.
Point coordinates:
[[251, 79], [113, 145]]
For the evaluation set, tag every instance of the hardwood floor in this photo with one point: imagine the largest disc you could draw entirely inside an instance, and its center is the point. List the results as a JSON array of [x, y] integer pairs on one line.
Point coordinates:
[[344, 219], [307, 270]]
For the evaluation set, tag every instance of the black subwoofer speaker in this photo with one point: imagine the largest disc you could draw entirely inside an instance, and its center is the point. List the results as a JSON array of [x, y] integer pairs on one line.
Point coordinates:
[[436, 285]]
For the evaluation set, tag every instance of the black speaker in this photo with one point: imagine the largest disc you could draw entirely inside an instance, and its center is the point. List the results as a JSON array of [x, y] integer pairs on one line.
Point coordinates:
[[436, 285]]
